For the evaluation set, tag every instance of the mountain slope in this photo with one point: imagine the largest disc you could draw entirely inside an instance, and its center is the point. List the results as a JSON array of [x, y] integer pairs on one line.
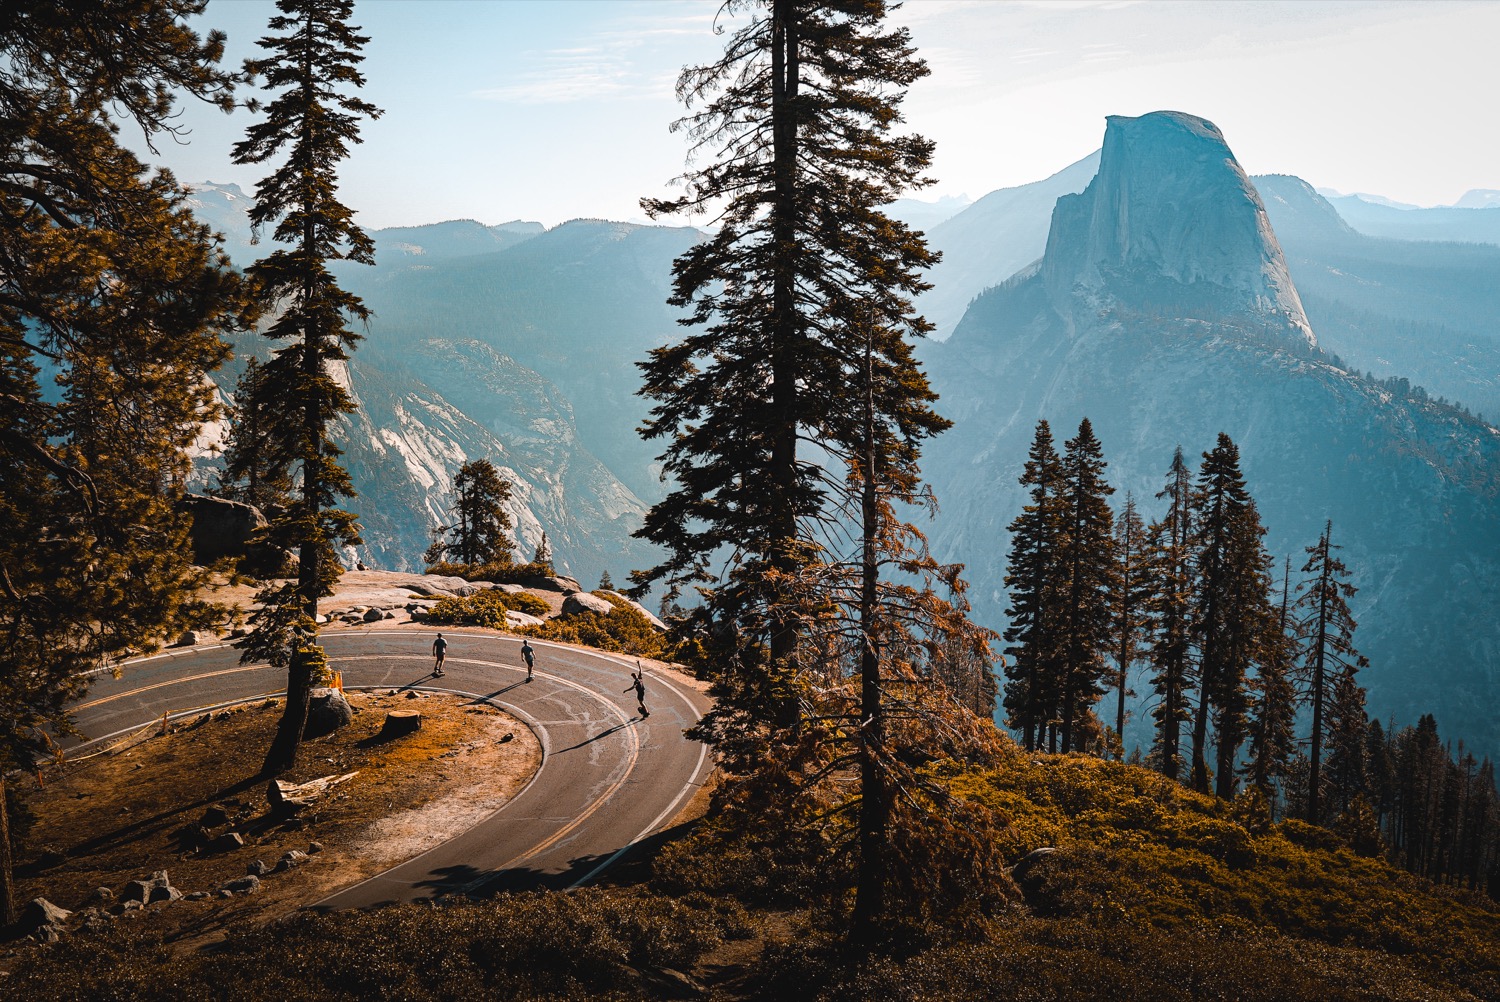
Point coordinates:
[[1425, 311], [1140, 319]]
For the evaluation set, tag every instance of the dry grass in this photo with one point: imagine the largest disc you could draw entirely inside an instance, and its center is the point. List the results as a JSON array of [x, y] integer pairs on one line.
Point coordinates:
[[121, 815]]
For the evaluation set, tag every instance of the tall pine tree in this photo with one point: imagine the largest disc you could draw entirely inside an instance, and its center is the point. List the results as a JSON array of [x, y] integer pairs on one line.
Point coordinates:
[[1170, 609], [799, 357], [1031, 580], [481, 533], [1086, 559], [1328, 654], [1129, 599], [312, 64], [1232, 617]]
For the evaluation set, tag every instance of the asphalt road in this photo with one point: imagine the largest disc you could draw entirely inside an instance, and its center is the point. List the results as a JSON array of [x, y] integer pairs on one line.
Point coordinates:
[[608, 778]]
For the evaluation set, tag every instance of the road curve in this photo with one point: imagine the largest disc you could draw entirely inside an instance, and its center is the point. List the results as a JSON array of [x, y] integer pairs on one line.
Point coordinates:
[[608, 778]]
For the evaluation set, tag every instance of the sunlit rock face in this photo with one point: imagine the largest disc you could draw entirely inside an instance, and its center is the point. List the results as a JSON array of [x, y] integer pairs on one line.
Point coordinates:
[[1173, 222]]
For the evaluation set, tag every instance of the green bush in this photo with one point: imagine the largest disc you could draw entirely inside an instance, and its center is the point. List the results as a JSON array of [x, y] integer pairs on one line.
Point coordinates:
[[485, 608], [625, 630], [499, 573]]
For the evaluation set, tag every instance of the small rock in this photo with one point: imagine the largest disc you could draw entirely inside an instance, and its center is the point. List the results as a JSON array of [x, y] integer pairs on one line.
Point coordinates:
[[192, 638], [374, 616], [244, 885], [227, 842], [197, 896], [508, 738], [224, 892], [121, 907], [257, 868], [314, 848], [418, 614], [388, 614], [214, 817], [412, 694], [101, 896]]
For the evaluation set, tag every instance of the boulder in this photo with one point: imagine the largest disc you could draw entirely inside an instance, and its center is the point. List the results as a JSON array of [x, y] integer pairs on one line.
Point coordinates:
[[227, 842], [514, 617], [287, 861], [257, 868], [146, 892], [584, 602], [40, 915], [652, 619], [221, 528], [192, 638], [510, 589], [374, 616], [557, 582], [327, 711], [214, 816], [248, 884]]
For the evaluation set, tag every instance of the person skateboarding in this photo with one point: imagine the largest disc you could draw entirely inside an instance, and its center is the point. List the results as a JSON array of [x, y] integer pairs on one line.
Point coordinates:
[[530, 656], [639, 686], [439, 649]]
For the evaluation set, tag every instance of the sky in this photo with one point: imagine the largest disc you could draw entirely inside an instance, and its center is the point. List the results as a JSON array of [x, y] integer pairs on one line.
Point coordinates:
[[550, 110]]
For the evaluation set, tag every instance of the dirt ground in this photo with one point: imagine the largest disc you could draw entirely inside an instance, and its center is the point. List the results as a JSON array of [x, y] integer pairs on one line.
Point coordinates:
[[125, 813]]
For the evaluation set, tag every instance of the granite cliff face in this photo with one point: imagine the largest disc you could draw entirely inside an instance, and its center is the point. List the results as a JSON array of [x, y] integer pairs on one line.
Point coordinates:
[[1171, 221], [508, 343], [1164, 311]]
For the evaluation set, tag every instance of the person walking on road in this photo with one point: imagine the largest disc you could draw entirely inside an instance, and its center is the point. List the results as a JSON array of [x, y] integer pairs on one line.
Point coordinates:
[[530, 656], [639, 686], [439, 649]]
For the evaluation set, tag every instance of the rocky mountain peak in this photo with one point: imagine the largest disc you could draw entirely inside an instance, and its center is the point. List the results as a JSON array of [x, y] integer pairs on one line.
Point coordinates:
[[1171, 221]]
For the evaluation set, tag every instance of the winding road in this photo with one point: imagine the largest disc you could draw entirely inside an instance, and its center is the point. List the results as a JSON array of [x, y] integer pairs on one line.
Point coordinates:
[[608, 778]]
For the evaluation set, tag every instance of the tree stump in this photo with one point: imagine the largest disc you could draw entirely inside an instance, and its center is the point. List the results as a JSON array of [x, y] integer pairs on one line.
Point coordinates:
[[399, 722]]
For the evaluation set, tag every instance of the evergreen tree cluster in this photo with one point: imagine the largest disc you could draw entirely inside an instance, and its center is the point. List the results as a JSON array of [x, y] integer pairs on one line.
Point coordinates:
[[1189, 601], [1234, 660], [1436, 806]]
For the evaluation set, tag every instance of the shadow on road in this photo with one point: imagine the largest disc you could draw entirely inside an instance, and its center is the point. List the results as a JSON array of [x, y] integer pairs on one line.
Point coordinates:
[[498, 692], [597, 737]]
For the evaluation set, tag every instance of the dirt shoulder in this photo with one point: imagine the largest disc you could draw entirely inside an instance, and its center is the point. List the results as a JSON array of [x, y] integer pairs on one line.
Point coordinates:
[[152, 804]]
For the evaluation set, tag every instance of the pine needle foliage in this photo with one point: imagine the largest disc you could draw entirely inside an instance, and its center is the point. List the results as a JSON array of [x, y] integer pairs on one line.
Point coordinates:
[[821, 619], [312, 61], [113, 293]]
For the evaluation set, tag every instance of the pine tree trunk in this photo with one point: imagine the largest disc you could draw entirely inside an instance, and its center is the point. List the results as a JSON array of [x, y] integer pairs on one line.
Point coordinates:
[[784, 332], [284, 746], [7, 863], [874, 809], [1200, 740], [1315, 754]]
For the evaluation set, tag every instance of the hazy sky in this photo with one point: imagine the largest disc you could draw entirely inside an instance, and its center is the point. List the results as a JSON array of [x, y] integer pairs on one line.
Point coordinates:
[[554, 109]]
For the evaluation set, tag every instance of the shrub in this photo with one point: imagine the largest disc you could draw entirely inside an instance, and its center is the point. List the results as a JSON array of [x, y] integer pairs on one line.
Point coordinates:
[[500, 573], [625, 630], [486, 608]]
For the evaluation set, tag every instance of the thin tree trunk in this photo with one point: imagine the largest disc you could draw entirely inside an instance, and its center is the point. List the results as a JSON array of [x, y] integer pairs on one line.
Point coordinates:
[[1314, 780], [874, 808], [7, 864]]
